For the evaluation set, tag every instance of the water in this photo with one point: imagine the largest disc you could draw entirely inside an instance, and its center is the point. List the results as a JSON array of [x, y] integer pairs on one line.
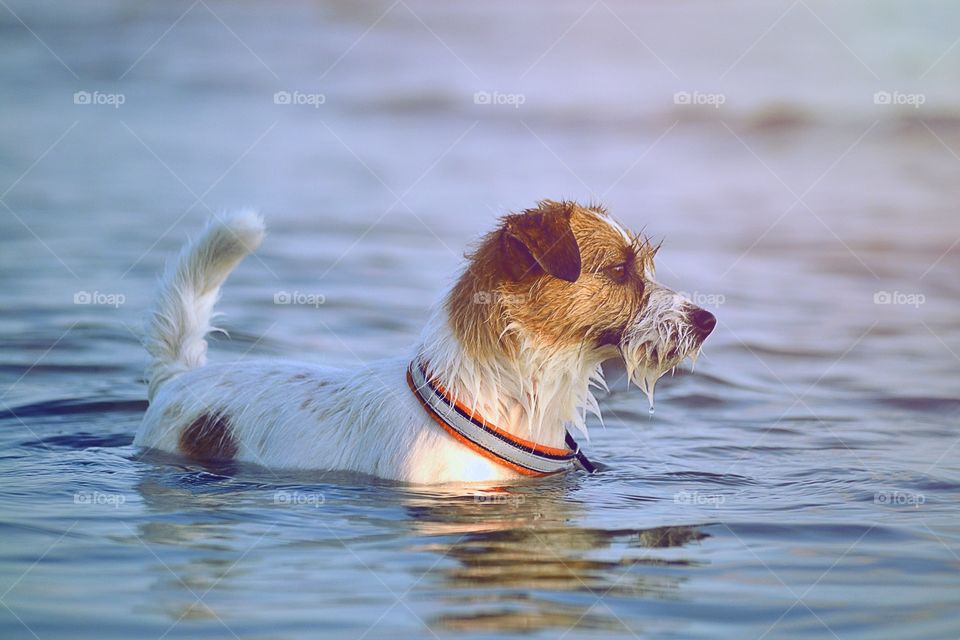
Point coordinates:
[[802, 483]]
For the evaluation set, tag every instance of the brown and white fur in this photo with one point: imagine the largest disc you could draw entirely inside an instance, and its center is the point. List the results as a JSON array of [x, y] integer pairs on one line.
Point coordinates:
[[543, 301]]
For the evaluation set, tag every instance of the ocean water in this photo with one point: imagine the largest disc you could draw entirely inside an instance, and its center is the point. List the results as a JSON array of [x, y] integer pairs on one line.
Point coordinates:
[[800, 160]]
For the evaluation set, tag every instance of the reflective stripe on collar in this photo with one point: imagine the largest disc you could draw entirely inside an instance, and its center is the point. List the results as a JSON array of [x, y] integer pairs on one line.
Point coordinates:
[[523, 456]]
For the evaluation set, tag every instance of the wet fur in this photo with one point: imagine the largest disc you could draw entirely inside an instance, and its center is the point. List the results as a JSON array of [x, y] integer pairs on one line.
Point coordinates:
[[520, 338]]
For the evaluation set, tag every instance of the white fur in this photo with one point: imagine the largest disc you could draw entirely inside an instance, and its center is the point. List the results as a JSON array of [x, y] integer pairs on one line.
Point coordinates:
[[659, 339], [618, 228], [188, 291], [364, 420], [536, 396], [297, 415]]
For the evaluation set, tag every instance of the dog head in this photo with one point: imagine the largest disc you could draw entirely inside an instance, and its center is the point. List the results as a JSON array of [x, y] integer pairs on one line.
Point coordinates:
[[567, 279]]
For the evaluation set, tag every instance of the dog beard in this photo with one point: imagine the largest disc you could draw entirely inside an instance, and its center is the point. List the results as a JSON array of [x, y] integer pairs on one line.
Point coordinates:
[[651, 348]]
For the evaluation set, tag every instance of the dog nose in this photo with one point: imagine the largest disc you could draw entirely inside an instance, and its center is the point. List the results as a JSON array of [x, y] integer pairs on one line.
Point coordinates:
[[704, 321]]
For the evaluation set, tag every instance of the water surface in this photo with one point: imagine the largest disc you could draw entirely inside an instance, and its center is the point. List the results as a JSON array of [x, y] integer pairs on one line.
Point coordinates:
[[802, 483]]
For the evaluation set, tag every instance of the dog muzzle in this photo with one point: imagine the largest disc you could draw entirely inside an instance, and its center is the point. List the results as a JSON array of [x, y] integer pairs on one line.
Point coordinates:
[[468, 427]]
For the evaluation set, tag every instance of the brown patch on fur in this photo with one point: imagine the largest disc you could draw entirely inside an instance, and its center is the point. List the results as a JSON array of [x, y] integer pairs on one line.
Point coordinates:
[[540, 241], [208, 438], [509, 280]]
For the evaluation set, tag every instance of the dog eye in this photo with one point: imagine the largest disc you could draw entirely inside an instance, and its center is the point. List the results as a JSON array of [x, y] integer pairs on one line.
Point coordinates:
[[618, 272]]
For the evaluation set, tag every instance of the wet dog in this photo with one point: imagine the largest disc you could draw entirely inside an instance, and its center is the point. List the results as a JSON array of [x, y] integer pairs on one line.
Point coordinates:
[[493, 390]]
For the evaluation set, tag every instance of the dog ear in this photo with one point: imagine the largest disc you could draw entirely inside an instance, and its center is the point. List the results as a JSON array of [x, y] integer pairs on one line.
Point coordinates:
[[541, 240]]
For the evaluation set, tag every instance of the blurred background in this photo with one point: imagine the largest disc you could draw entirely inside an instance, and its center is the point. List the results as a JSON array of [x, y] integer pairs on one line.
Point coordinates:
[[799, 159]]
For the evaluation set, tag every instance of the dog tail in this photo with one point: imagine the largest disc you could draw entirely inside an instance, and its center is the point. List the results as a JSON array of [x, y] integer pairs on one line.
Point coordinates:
[[190, 287]]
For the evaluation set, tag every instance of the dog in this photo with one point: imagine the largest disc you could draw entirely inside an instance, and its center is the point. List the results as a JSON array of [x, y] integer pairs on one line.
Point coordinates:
[[493, 391]]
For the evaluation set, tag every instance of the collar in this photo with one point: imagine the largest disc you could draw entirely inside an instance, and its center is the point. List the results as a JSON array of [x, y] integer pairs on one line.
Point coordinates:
[[469, 427]]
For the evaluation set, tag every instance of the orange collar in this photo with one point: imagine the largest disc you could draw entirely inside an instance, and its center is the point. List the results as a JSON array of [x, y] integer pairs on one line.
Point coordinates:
[[471, 429]]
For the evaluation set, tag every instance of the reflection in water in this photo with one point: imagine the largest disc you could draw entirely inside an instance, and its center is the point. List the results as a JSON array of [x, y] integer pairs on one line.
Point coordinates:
[[480, 559], [513, 547], [214, 543]]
